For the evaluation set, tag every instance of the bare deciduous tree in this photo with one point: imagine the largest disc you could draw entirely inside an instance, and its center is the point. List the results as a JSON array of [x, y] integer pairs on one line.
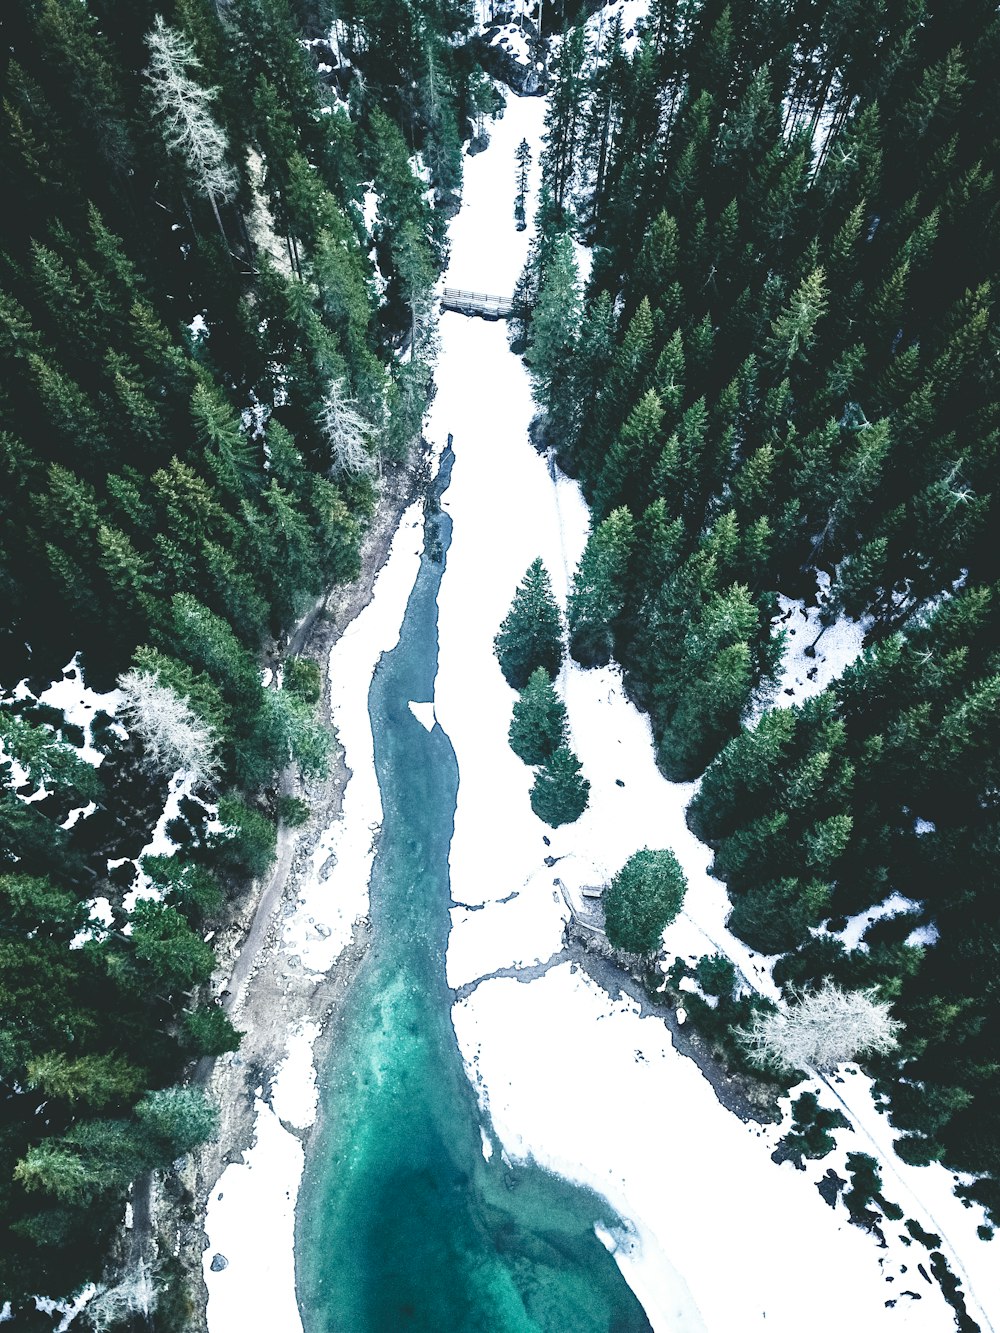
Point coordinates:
[[346, 432], [184, 111], [821, 1029], [136, 1293], [172, 733]]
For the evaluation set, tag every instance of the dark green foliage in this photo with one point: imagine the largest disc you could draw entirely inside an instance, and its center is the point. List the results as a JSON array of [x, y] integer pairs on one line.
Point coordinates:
[[190, 887], [166, 505], [552, 336], [166, 954], [596, 601], [778, 916], [918, 1150], [246, 843], [784, 369], [179, 1118], [293, 811], [560, 791], [811, 1124], [523, 159], [209, 1031], [642, 900], [304, 679], [531, 635], [865, 1189], [952, 1291], [716, 975], [538, 726], [927, 1239], [46, 760]]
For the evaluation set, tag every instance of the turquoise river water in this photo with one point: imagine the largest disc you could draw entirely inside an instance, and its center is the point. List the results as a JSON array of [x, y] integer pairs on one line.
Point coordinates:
[[402, 1222]]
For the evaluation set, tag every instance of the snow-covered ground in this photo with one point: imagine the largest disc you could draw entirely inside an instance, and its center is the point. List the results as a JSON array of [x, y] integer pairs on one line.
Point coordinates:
[[251, 1212], [512, 38], [632, 13], [485, 245], [250, 1226], [718, 1237], [79, 703], [836, 647], [81, 706]]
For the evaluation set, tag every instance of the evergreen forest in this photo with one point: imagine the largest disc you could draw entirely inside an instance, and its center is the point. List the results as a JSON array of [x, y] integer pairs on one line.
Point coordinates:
[[779, 380], [206, 367]]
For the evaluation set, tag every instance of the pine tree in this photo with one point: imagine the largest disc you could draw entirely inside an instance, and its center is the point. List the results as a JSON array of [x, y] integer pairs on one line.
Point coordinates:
[[94, 1080], [632, 457], [180, 1117], [598, 594], [589, 369], [554, 327], [607, 88], [538, 727], [231, 455], [793, 332], [560, 791], [778, 916], [564, 121], [642, 900], [165, 953], [531, 635], [523, 159]]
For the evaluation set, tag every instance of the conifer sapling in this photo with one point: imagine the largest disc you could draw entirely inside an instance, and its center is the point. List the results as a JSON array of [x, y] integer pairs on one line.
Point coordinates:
[[560, 792]]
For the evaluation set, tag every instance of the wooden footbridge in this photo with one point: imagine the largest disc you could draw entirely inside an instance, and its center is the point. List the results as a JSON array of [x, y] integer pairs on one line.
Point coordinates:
[[476, 303]]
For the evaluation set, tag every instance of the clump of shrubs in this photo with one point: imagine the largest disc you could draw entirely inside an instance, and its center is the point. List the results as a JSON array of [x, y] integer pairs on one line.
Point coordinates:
[[810, 1134]]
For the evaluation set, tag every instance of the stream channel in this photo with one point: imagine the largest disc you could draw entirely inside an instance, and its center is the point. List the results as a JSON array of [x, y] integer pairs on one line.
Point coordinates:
[[404, 1223]]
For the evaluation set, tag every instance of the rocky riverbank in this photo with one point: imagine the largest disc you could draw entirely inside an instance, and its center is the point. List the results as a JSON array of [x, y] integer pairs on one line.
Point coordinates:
[[268, 993]]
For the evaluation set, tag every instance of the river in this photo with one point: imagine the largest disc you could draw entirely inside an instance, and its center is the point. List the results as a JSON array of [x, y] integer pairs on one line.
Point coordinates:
[[403, 1221]]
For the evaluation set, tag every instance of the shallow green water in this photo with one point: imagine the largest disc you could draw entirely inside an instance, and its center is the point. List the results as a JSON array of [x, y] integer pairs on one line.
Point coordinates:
[[402, 1223]]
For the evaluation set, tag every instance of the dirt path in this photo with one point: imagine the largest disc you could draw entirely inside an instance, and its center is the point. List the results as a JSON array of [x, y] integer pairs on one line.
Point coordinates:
[[249, 953]]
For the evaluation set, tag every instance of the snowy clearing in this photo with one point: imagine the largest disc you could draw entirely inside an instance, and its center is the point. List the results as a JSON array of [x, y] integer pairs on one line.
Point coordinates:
[[80, 705], [804, 675]]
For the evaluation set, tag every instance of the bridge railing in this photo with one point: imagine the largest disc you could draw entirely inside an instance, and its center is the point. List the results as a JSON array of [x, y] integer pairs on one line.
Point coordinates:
[[457, 296]]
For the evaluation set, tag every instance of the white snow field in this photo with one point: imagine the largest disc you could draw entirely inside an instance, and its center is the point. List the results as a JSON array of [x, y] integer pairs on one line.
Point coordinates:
[[251, 1223], [716, 1236]]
